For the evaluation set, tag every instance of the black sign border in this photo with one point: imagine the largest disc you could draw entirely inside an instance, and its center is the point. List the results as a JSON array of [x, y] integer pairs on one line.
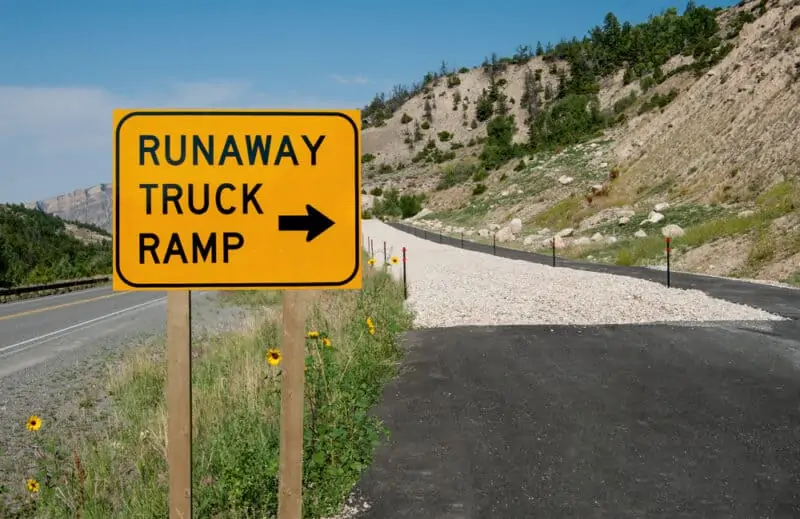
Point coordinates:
[[267, 113]]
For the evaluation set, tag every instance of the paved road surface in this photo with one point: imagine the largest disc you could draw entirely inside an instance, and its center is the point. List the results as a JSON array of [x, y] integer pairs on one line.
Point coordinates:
[[34, 330], [647, 421]]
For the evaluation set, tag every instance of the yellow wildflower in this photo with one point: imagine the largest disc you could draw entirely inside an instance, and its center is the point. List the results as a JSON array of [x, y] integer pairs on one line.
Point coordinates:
[[371, 262], [395, 260], [313, 334], [33, 486], [372, 330], [274, 356], [326, 342], [370, 324], [34, 423]]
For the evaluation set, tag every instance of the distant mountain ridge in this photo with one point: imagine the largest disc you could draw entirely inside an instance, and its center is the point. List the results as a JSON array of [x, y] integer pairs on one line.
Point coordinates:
[[91, 205]]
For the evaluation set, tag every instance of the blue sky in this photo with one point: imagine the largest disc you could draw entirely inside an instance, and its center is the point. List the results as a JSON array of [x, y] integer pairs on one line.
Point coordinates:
[[65, 65]]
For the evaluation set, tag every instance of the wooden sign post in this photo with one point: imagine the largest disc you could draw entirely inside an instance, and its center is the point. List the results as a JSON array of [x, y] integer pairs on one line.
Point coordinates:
[[179, 402], [206, 200], [290, 492]]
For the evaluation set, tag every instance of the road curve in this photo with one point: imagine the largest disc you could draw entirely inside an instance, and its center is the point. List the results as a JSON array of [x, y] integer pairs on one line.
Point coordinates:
[[34, 330]]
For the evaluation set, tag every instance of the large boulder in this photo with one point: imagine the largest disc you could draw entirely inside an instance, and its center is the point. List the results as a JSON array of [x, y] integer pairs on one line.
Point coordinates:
[[559, 242], [504, 235], [672, 231], [654, 217]]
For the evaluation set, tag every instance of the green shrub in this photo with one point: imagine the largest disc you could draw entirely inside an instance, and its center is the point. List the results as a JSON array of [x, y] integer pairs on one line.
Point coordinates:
[[484, 108], [625, 103], [499, 147], [646, 83], [456, 174], [394, 204], [480, 175], [567, 121]]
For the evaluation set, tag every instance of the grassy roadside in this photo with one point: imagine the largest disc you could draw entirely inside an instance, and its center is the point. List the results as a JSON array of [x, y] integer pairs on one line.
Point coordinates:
[[702, 225], [121, 472]]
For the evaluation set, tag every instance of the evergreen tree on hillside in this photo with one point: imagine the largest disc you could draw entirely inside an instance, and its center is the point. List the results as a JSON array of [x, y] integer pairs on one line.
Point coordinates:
[[35, 248]]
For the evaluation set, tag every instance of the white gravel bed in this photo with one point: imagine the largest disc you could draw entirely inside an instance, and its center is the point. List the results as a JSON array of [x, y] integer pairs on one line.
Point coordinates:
[[455, 287]]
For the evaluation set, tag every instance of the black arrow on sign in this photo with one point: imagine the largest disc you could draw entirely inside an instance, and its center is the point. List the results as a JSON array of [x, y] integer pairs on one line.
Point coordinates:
[[314, 223]]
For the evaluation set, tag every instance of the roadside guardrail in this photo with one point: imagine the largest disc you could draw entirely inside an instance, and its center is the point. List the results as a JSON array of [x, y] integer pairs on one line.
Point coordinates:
[[48, 288]]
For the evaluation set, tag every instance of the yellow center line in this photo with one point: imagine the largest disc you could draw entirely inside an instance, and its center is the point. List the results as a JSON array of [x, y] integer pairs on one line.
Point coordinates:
[[54, 307]]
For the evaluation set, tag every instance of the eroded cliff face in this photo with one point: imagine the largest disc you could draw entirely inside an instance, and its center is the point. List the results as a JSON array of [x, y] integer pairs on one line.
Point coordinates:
[[91, 205]]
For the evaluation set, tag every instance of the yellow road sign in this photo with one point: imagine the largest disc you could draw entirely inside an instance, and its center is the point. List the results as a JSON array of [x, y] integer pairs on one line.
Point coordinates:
[[237, 199]]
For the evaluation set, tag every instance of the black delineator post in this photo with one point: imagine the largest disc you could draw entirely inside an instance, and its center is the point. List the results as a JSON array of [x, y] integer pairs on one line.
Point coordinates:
[[405, 284], [384, 252], [494, 244], [425, 233], [553, 242], [462, 240], [668, 239], [440, 237]]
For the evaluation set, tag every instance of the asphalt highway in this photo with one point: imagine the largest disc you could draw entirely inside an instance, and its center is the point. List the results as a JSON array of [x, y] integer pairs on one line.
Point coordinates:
[[35, 330], [639, 421]]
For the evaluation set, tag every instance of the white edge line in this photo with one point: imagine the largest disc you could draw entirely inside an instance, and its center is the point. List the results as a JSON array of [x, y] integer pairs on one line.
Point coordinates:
[[84, 323]]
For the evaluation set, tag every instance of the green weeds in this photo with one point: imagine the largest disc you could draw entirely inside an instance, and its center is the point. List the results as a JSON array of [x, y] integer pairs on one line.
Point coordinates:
[[121, 472]]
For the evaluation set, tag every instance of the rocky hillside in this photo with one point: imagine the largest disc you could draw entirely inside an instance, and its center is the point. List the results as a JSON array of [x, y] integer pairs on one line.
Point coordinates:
[[686, 125], [92, 206]]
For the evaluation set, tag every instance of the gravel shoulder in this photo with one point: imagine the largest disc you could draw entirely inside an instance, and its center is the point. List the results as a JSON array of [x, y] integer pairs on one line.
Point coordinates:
[[69, 390], [456, 287]]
